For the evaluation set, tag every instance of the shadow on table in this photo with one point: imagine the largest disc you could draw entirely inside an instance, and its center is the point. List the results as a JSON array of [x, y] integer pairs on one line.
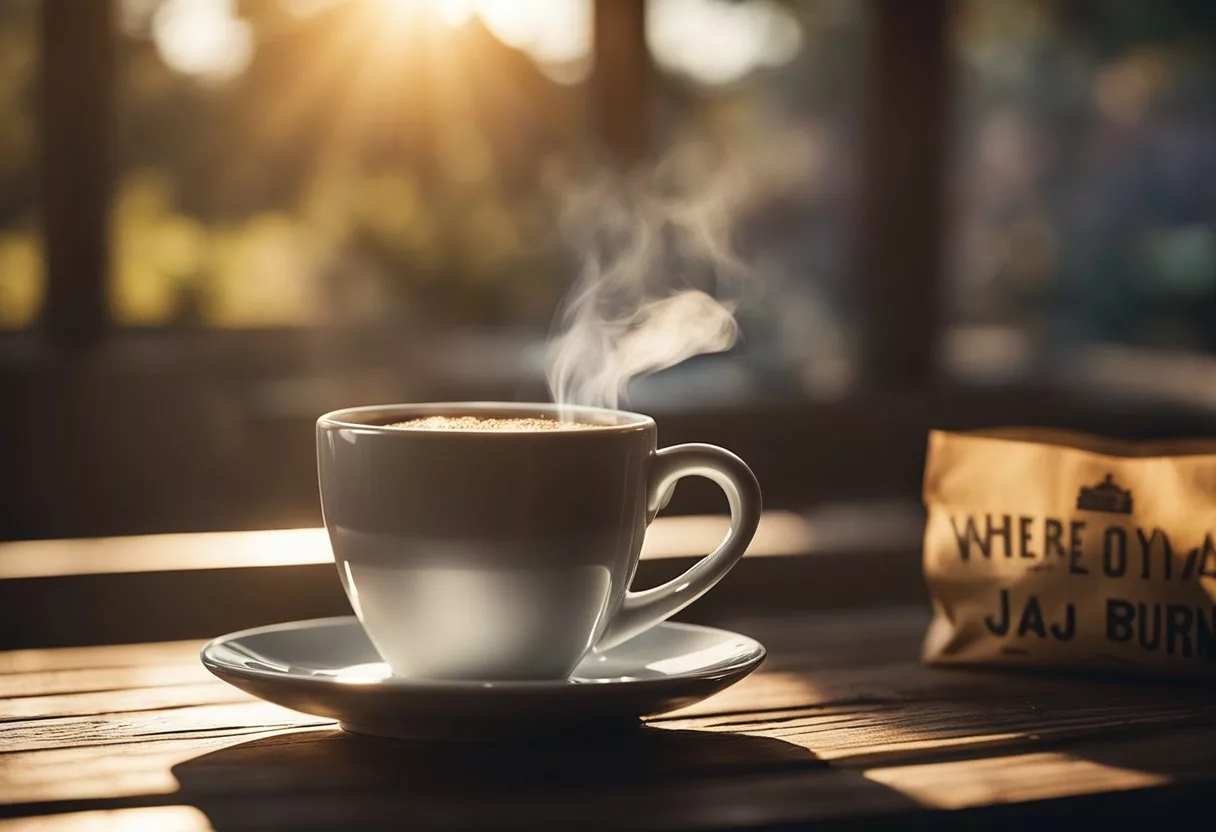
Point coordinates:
[[645, 777]]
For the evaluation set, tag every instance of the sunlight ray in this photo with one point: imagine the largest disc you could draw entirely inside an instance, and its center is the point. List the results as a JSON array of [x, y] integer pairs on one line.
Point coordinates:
[[323, 77]]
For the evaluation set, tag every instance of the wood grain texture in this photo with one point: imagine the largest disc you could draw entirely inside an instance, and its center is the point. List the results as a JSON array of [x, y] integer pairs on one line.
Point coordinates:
[[842, 726], [106, 657], [92, 679], [151, 818]]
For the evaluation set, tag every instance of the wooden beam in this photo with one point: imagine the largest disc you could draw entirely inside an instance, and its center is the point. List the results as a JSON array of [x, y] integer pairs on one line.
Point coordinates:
[[900, 239], [77, 85], [621, 83]]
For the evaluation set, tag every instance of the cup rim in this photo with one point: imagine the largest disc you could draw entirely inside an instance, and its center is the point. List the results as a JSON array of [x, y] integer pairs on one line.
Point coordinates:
[[348, 418]]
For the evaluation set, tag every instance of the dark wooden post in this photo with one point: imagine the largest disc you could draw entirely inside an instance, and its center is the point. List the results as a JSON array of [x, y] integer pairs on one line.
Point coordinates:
[[899, 256], [621, 97], [77, 85]]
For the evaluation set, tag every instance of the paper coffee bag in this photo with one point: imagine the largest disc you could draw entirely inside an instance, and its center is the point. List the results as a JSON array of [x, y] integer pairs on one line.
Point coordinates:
[[1050, 549]]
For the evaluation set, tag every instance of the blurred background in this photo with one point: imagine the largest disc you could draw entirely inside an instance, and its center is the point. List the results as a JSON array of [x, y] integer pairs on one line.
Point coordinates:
[[221, 218]]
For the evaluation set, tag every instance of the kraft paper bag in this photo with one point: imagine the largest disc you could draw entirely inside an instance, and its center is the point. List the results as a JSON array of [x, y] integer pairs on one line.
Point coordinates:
[[1056, 550]]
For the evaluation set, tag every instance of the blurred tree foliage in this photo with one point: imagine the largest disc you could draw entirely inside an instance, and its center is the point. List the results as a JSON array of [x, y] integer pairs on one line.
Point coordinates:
[[339, 179]]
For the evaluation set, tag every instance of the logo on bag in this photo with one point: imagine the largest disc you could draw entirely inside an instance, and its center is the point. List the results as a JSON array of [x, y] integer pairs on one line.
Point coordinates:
[[1105, 496]]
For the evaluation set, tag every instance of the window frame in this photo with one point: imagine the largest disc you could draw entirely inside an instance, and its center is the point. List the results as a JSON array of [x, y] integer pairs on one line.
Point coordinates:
[[904, 155]]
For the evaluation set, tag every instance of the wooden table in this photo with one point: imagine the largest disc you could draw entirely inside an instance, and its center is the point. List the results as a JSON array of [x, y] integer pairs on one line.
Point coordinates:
[[841, 726]]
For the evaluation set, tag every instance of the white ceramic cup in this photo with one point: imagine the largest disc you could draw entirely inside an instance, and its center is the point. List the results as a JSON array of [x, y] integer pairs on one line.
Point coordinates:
[[507, 555]]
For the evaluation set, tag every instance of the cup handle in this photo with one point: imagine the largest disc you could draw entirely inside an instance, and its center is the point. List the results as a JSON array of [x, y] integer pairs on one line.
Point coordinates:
[[642, 610]]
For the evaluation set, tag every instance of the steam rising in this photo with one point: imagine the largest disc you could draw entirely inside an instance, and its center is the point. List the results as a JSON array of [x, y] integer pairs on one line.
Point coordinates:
[[658, 283]]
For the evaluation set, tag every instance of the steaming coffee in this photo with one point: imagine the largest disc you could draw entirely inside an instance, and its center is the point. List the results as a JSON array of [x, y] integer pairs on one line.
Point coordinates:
[[503, 423], [488, 541]]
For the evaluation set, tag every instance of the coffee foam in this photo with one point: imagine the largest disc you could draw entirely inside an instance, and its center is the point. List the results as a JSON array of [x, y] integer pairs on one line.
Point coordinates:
[[518, 424]]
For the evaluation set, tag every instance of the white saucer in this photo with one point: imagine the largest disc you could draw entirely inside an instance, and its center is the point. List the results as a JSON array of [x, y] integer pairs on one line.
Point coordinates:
[[328, 667]]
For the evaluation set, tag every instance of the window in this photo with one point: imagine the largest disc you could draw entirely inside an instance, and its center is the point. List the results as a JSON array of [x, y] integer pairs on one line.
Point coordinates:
[[262, 210]]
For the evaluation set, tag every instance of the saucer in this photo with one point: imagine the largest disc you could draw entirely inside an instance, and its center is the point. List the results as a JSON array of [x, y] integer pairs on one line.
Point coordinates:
[[328, 667]]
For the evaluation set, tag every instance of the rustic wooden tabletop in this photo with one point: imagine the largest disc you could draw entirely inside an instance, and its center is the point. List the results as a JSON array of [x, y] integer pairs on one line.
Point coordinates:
[[841, 725], [110, 721]]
